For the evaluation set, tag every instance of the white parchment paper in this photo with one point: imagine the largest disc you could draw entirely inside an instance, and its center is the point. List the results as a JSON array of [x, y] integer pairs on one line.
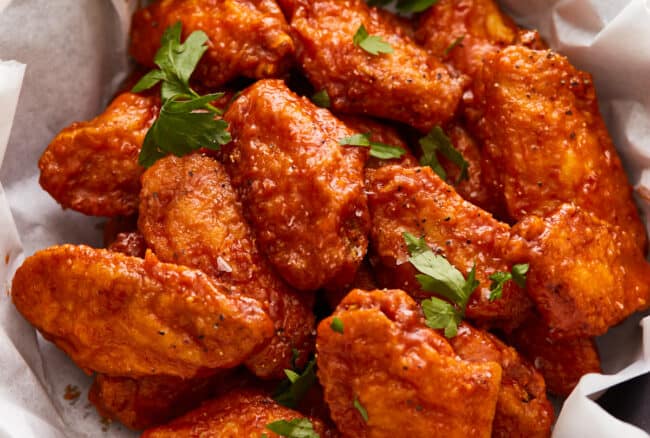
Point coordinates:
[[72, 53]]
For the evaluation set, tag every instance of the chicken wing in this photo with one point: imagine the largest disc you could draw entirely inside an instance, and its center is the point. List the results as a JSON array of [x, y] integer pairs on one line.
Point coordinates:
[[561, 362], [190, 215], [543, 133], [417, 201], [240, 413], [522, 408], [92, 167], [406, 85], [387, 374], [585, 274], [246, 37], [131, 317], [302, 191]]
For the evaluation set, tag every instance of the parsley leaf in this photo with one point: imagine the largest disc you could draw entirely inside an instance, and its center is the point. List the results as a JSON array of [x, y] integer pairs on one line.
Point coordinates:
[[406, 5], [499, 279], [371, 43], [321, 99], [359, 407], [296, 428], [337, 325], [437, 142], [377, 150], [437, 275], [187, 120], [453, 45], [292, 390]]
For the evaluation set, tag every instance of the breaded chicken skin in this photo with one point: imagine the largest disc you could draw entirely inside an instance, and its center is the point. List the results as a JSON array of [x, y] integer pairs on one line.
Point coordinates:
[[406, 85], [240, 413], [389, 366], [190, 215], [92, 167], [126, 316], [417, 201], [302, 191], [245, 37]]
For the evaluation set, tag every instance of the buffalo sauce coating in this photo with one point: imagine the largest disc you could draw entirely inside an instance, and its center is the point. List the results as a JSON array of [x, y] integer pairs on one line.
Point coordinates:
[[562, 362], [404, 375], [417, 201], [245, 37], [585, 275], [522, 408], [92, 167], [131, 317], [190, 214], [543, 134], [406, 85], [239, 413], [302, 191]]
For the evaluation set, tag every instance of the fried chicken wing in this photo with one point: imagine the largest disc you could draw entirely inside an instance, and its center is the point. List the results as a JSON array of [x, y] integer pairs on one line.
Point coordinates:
[[246, 37], [190, 215], [92, 167], [131, 317], [585, 274], [404, 375], [562, 362], [543, 133], [302, 191], [406, 85], [417, 201], [238, 414], [522, 408]]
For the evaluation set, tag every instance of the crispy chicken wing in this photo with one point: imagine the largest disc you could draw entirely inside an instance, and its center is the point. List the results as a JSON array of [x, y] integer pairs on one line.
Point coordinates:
[[131, 317], [246, 37], [190, 215], [544, 135], [522, 408], [585, 274], [92, 167], [562, 362], [404, 375], [406, 85], [302, 192], [242, 413], [417, 201]]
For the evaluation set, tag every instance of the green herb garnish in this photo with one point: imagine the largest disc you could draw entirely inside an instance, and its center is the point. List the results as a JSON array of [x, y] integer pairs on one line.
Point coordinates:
[[453, 45], [321, 99], [499, 279], [437, 142], [406, 5], [294, 388], [337, 325], [359, 407], [296, 428], [371, 43], [187, 120], [377, 150], [437, 275]]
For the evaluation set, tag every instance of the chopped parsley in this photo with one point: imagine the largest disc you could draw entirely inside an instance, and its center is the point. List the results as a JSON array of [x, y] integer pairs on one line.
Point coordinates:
[[359, 407], [187, 120], [321, 99], [296, 428], [377, 150], [437, 275], [294, 388], [499, 279], [436, 141], [406, 6], [453, 45], [337, 325], [371, 43]]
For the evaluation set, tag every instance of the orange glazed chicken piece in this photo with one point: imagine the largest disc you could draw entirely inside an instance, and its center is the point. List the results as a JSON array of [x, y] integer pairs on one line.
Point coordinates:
[[242, 413], [585, 276], [190, 215], [386, 374], [543, 134], [522, 408], [245, 37], [406, 85], [417, 201], [126, 316], [92, 167], [302, 191]]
